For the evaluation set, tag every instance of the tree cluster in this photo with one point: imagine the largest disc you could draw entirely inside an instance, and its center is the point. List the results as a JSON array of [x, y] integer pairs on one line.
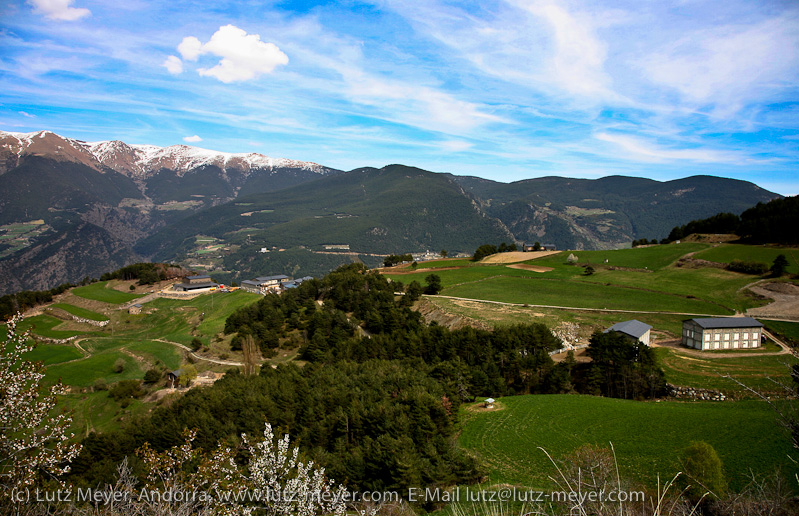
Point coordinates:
[[489, 249], [395, 259], [773, 222], [146, 273], [10, 304], [620, 368]]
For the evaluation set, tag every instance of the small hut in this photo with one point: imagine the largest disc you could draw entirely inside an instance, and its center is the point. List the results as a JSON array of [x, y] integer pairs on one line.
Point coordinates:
[[489, 403]]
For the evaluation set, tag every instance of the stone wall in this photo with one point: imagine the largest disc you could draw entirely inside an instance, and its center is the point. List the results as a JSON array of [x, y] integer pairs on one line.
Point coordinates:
[[694, 393]]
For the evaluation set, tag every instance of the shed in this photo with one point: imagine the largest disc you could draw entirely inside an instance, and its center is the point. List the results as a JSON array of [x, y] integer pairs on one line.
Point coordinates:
[[633, 329], [135, 309], [489, 402], [173, 378]]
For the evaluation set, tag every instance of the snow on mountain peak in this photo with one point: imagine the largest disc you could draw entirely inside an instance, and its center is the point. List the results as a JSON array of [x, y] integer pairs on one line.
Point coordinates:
[[141, 161]]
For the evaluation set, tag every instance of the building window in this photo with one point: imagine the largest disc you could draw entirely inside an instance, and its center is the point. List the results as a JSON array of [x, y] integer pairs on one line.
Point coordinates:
[[707, 336], [726, 336], [717, 336], [737, 336], [746, 336]]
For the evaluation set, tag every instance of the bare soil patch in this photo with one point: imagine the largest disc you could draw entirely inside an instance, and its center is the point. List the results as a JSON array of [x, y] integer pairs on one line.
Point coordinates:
[[786, 300], [516, 256], [533, 268]]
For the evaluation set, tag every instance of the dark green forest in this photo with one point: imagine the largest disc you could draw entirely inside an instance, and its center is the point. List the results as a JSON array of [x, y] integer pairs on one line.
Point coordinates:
[[773, 222]]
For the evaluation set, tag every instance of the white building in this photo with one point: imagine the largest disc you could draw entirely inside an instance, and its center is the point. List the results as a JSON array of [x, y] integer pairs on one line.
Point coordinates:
[[722, 333]]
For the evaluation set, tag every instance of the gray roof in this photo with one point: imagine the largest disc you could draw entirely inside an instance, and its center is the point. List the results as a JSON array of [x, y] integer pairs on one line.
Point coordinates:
[[250, 282], [633, 328], [727, 322], [271, 278], [197, 286], [197, 277]]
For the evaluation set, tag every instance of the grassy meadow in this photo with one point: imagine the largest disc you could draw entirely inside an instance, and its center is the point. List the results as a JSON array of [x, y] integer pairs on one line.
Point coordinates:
[[103, 291], [640, 279], [80, 312], [648, 436]]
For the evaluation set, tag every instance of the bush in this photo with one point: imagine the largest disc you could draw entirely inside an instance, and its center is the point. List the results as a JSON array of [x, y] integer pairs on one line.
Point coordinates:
[[152, 376], [704, 471], [756, 268], [196, 344], [119, 365], [126, 389], [100, 385]]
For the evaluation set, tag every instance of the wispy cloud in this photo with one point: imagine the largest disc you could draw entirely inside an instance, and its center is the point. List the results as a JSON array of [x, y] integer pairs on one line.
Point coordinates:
[[59, 9], [731, 65], [649, 152], [192, 139]]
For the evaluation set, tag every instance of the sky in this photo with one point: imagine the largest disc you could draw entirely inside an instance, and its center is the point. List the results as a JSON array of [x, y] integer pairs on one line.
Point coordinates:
[[501, 89]]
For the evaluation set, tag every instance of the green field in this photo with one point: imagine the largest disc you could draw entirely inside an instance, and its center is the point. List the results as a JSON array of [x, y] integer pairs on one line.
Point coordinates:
[[101, 291], [640, 279], [80, 312], [725, 253], [43, 325], [647, 436], [97, 412], [53, 354], [787, 330], [758, 372], [85, 372], [174, 320]]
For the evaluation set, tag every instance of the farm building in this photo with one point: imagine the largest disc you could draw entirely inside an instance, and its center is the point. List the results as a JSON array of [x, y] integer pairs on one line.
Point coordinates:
[[195, 283], [135, 309], [173, 378], [264, 284], [528, 247], [721, 333], [633, 329]]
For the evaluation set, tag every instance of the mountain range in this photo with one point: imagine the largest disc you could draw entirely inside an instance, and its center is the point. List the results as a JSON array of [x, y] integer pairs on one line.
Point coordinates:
[[97, 206]]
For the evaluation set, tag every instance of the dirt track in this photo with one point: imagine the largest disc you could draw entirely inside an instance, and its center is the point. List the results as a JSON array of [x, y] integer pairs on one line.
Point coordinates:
[[533, 268], [786, 300]]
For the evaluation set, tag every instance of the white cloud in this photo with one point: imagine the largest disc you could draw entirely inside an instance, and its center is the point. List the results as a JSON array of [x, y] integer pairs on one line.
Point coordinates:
[[648, 152], [26, 115], [190, 48], [192, 139], [59, 9], [174, 65], [244, 56]]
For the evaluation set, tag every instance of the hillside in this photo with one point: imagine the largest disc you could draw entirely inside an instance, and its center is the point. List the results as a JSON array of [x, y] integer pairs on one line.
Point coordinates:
[[70, 209], [386, 210], [95, 200], [608, 212]]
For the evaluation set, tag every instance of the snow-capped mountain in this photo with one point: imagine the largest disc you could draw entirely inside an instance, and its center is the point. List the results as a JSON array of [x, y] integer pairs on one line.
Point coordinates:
[[137, 161], [98, 199]]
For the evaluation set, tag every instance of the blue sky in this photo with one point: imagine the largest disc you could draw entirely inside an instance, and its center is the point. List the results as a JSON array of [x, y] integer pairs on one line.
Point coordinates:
[[505, 90]]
